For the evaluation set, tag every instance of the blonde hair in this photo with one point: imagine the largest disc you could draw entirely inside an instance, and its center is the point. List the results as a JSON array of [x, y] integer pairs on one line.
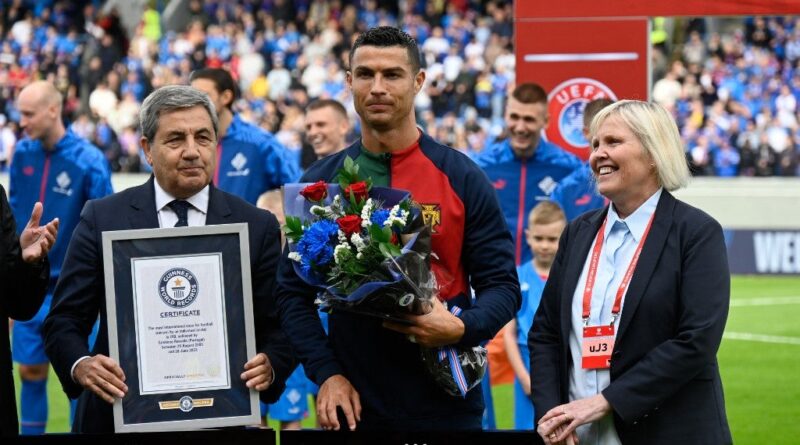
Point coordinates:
[[657, 132], [546, 212]]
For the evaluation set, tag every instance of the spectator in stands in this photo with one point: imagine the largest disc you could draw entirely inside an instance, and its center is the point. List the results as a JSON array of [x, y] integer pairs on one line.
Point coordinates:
[[726, 160]]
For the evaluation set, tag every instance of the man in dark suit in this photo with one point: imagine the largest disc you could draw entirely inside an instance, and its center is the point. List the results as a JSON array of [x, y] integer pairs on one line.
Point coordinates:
[[24, 274], [179, 138]]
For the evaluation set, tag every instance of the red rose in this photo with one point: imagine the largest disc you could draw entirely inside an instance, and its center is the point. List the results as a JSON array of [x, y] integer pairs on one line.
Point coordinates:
[[315, 192], [349, 224], [358, 189]]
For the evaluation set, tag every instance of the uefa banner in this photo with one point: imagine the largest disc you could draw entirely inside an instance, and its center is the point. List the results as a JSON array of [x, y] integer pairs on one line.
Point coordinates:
[[764, 252], [579, 60], [585, 49]]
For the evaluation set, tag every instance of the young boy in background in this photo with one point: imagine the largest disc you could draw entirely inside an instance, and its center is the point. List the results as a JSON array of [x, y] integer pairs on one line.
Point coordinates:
[[545, 224]]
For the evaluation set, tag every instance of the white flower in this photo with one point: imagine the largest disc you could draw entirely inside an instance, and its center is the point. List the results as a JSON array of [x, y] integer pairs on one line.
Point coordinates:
[[336, 207], [295, 256], [319, 210], [358, 242], [339, 252], [360, 256], [342, 236], [396, 216], [366, 213]]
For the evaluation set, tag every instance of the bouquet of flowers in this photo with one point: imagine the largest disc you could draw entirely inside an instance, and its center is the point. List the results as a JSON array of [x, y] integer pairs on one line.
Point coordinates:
[[368, 251]]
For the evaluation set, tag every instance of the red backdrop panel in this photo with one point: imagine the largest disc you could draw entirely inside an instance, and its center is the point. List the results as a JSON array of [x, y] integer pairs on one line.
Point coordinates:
[[635, 8], [580, 60]]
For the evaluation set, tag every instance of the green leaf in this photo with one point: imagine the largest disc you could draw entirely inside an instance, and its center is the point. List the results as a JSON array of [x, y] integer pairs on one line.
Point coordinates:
[[293, 223], [385, 250], [377, 234], [293, 228]]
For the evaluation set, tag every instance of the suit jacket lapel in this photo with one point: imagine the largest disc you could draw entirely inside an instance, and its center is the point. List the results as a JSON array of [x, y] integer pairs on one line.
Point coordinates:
[[144, 215], [218, 209], [651, 252], [578, 251]]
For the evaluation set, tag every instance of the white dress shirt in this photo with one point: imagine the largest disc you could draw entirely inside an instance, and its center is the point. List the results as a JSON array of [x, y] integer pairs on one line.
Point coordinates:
[[621, 237], [197, 212]]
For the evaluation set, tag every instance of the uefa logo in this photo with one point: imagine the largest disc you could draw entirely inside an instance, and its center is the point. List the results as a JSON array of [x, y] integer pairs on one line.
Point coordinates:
[[565, 106], [178, 287]]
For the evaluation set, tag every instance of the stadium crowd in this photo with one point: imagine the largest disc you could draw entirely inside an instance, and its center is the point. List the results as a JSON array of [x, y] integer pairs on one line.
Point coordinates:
[[734, 94]]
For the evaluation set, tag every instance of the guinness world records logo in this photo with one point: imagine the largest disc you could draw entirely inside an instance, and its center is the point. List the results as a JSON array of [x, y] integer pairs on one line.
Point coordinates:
[[178, 287], [565, 105]]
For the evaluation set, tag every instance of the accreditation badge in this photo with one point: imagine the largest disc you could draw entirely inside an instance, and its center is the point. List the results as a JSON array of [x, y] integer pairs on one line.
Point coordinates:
[[598, 342]]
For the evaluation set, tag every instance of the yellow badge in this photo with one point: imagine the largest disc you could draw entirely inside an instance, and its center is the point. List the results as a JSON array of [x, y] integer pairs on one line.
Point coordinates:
[[432, 215]]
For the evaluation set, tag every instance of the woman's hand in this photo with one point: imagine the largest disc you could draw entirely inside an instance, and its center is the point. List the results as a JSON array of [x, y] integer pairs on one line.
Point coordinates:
[[560, 422]]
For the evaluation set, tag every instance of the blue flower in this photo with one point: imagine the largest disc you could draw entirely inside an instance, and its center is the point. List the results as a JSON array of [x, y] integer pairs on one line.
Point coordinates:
[[316, 244], [379, 217]]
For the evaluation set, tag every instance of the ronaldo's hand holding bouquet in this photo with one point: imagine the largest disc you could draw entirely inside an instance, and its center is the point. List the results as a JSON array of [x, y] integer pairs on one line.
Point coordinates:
[[368, 251]]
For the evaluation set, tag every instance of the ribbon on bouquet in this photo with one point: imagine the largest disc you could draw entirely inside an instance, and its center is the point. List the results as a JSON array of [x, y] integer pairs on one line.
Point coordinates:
[[450, 353]]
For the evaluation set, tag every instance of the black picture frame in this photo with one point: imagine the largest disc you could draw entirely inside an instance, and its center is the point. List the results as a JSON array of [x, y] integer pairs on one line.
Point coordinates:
[[189, 408]]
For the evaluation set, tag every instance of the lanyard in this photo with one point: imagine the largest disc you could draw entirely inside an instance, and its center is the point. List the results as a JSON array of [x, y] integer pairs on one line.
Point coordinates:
[[590, 278]]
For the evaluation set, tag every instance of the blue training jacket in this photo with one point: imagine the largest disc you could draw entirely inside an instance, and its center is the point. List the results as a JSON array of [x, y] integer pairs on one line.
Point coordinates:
[[577, 193], [63, 179], [520, 185], [385, 368], [250, 161]]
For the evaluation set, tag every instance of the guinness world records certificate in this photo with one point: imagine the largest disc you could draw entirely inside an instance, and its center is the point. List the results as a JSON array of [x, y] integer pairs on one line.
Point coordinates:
[[180, 322], [181, 334]]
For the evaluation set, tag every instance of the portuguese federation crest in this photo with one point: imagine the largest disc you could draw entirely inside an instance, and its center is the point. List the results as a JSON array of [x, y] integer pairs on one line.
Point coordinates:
[[565, 106], [432, 216], [178, 287]]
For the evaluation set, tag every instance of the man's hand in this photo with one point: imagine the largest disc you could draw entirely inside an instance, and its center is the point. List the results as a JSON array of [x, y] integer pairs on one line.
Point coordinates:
[[338, 392], [436, 328], [258, 373], [35, 241], [102, 376]]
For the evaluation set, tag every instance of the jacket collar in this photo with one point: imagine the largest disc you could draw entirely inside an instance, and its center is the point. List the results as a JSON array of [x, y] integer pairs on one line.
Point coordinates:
[[651, 252], [145, 215]]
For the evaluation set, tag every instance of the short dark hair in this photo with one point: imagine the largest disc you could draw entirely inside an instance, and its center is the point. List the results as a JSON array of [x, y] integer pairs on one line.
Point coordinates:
[[530, 93], [322, 103], [222, 81], [385, 36], [592, 108]]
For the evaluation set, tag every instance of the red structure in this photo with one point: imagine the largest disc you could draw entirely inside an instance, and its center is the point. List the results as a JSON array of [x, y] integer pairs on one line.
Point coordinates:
[[584, 49]]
